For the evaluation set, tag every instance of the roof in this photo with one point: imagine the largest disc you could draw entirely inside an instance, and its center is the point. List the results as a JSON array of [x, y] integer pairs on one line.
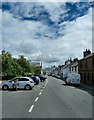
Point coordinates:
[[74, 64], [66, 66], [90, 55]]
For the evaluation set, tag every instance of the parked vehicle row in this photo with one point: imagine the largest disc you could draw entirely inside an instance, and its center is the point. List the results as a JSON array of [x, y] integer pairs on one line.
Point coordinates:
[[71, 78], [42, 77], [26, 83]]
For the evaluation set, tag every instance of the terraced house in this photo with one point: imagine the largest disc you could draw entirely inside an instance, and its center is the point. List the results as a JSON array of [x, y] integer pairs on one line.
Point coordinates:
[[86, 68]]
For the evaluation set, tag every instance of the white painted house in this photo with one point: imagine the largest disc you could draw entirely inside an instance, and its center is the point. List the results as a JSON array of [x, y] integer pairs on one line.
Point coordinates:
[[67, 68], [74, 67]]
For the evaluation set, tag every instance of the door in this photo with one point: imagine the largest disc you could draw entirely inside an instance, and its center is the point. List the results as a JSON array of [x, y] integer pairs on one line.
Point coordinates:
[[22, 82]]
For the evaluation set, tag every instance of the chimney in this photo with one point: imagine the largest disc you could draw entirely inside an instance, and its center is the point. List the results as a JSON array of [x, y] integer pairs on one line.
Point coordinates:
[[86, 53]]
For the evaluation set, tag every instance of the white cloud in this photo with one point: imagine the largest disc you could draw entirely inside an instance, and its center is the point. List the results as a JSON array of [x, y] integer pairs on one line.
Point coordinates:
[[0, 30], [19, 38], [42, 0]]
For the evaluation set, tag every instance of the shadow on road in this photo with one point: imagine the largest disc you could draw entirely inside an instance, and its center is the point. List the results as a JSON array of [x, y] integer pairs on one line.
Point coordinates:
[[90, 91], [11, 90]]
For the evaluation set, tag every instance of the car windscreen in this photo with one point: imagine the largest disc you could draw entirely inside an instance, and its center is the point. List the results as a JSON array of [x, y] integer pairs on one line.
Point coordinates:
[[74, 76]]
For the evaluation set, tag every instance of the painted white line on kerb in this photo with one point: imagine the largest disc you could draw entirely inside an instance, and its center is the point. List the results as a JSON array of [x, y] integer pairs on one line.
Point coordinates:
[[40, 93], [31, 108], [81, 91], [36, 99]]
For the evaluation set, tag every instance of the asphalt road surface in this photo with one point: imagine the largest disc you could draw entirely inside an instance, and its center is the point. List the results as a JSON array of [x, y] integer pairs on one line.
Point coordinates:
[[49, 99]]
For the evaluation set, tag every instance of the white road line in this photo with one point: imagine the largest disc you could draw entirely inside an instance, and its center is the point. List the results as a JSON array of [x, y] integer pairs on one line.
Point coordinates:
[[36, 99], [31, 108], [40, 93], [41, 90], [46, 83]]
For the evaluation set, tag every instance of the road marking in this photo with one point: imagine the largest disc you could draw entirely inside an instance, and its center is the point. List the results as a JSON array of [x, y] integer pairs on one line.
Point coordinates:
[[40, 93], [41, 90], [46, 83], [36, 99], [31, 108]]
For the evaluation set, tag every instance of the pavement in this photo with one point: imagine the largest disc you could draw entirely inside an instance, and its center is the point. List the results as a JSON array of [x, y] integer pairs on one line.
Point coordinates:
[[50, 99], [87, 86]]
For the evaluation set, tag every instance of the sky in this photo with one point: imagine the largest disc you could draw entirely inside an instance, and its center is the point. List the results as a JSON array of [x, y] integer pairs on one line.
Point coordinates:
[[47, 32]]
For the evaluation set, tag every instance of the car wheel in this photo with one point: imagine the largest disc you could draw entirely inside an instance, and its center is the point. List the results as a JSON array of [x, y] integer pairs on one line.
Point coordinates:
[[66, 82], [28, 87], [5, 87], [78, 85]]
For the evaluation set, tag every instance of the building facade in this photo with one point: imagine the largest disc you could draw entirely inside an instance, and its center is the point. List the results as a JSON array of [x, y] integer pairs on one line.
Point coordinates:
[[86, 68], [74, 66], [67, 67], [38, 67]]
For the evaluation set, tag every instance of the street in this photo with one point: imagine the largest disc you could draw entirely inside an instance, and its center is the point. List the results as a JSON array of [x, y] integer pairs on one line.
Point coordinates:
[[49, 99]]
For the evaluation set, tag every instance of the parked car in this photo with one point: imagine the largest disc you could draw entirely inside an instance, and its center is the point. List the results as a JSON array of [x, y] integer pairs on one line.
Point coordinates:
[[53, 75], [22, 83], [49, 74], [42, 77], [57, 76], [35, 79], [73, 78]]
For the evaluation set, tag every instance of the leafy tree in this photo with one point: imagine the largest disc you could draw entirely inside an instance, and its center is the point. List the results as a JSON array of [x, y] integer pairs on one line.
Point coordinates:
[[26, 66], [6, 63], [10, 67]]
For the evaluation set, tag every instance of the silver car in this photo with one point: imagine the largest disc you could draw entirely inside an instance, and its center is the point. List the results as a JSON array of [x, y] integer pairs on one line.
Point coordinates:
[[21, 83]]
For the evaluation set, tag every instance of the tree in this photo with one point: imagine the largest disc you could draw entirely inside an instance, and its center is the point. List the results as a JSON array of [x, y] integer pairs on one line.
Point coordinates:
[[16, 67], [6, 63], [25, 64]]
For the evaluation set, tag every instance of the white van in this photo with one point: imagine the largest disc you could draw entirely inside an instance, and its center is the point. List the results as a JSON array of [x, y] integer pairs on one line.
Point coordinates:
[[73, 78]]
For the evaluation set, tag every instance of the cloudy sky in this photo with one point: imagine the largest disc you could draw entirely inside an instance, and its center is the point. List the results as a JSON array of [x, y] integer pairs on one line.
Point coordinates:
[[48, 32]]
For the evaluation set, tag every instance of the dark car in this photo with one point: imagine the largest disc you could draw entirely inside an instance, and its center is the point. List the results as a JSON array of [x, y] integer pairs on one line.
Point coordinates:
[[35, 79], [42, 77]]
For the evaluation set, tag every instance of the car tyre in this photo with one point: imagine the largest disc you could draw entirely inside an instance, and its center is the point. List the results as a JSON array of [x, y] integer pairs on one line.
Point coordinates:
[[5, 87], [78, 85], [28, 87]]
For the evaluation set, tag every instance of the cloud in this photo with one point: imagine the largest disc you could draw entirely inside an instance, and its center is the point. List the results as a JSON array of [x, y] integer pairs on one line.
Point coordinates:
[[0, 30], [42, 0], [24, 37]]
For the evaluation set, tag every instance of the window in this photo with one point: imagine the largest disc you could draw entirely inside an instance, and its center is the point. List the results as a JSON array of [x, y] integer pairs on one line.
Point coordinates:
[[23, 79], [93, 62], [75, 68], [84, 77], [92, 78], [86, 63], [81, 64], [88, 76]]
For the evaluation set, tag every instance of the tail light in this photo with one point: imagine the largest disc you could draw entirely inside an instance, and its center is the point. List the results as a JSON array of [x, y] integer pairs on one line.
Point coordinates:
[[31, 81]]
